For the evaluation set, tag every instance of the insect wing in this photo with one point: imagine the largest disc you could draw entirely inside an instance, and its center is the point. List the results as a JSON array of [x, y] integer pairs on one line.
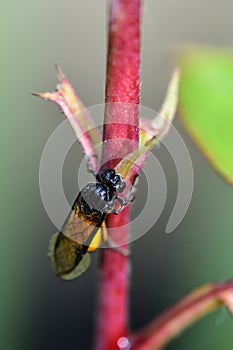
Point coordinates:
[[65, 261], [79, 269], [68, 249], [81, 228]]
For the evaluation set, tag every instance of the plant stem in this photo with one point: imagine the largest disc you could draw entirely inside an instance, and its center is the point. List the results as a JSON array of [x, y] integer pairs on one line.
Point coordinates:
[[120, 137], [172, 322]]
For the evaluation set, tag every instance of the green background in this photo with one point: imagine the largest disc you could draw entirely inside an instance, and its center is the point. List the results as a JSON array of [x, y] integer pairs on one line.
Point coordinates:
[[38, 311]]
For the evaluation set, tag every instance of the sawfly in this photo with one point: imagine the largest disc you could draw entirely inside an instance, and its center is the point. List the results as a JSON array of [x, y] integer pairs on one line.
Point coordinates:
[[85, 227]]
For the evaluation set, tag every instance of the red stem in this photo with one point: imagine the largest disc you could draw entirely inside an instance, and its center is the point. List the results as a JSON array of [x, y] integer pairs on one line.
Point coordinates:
[[121, 134], [173, 321]]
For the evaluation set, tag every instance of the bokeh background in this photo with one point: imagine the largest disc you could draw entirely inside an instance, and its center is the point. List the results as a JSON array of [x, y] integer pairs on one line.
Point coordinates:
[[37, 310]]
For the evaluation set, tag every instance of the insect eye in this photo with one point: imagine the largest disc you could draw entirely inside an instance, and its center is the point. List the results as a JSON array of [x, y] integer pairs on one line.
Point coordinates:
[[115, 179], [109, 175], [106, 176], [112, 180]]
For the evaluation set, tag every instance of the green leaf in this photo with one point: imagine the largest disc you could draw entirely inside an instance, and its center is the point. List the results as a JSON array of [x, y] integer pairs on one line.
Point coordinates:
[[206, 105]]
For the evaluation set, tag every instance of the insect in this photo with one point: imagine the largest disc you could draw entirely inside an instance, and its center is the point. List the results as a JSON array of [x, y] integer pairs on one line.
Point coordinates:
[[85, 227]]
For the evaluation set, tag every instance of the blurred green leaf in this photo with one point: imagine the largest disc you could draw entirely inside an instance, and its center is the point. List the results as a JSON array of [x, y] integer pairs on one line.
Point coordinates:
[[206, 105]]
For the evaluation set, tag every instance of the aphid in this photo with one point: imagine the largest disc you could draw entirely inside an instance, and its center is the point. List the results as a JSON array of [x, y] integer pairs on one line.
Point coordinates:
[[85, 228]]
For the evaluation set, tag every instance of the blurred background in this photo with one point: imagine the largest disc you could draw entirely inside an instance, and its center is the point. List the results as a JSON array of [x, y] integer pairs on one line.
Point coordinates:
[[37, 310]]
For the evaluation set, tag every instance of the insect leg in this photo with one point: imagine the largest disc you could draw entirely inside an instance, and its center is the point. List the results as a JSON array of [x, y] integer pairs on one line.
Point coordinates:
[[122, 205], [110, 244]]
